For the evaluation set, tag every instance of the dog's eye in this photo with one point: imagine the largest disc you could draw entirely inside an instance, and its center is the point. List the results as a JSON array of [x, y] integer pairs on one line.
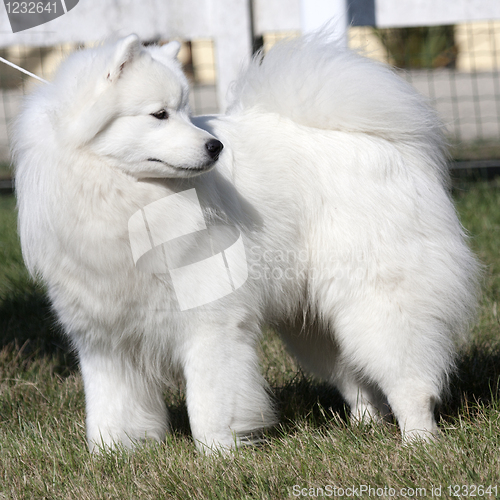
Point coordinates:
[[161, 115]]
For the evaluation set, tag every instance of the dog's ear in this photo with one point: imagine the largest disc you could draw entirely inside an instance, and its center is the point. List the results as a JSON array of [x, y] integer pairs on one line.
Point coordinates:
[[171, 49], [125, 51]]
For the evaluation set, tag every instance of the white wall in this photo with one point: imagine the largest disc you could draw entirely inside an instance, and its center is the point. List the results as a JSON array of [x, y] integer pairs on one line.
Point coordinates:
[[398, 13], [275, 15], [228, 22]]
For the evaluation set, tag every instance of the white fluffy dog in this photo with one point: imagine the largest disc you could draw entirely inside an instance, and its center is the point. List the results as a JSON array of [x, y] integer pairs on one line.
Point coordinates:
[[323, 210]]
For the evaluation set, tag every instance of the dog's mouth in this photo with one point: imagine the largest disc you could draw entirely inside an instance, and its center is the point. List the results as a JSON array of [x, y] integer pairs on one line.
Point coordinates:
[[202, 168]]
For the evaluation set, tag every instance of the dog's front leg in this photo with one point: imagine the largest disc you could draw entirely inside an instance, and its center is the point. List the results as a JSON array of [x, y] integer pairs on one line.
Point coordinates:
[[227, 400], [123, 405]]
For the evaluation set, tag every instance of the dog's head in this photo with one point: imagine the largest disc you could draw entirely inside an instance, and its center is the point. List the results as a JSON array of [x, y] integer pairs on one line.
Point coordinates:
[[132, 110]]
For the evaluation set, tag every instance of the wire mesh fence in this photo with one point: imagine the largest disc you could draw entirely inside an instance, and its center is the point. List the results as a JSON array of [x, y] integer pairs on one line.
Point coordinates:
[[456, 67]]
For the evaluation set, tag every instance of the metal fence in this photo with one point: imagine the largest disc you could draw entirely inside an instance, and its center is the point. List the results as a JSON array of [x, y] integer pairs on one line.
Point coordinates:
[[457, 67]]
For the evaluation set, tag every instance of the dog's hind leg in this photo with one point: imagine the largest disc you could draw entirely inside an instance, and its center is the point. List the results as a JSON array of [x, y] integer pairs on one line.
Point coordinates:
[[413, 406], [318, 353], [405, 355], [227, 400], [366, 401], [123, 405]]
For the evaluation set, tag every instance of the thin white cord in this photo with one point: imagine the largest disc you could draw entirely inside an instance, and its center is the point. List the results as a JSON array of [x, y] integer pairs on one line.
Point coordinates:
[[22, 70]]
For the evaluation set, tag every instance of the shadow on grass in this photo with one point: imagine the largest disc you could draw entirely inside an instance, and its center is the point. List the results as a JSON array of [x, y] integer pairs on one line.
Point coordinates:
[[306, 398], [476, 381], [28, 325], [302, 398], [475, 384]]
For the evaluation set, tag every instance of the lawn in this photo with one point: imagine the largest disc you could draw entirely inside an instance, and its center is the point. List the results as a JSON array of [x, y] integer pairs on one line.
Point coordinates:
[[314, 452]]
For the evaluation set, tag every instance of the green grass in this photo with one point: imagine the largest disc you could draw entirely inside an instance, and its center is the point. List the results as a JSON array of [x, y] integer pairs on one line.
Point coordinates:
[[42, 436], [475, 150], [5, 171]]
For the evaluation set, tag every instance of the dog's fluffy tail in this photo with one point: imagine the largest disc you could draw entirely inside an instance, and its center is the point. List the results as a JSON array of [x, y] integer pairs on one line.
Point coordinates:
[[317, 83]]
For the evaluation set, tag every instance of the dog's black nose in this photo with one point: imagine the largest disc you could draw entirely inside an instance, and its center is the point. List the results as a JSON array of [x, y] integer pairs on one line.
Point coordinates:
[[214, 147]]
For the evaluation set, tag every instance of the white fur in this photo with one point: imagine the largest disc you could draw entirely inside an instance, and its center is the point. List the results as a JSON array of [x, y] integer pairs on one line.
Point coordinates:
[[333, 170]]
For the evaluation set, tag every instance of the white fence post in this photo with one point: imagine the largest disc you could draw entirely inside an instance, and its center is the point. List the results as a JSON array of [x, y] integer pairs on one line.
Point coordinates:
[[233, 44], [315, 13]]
